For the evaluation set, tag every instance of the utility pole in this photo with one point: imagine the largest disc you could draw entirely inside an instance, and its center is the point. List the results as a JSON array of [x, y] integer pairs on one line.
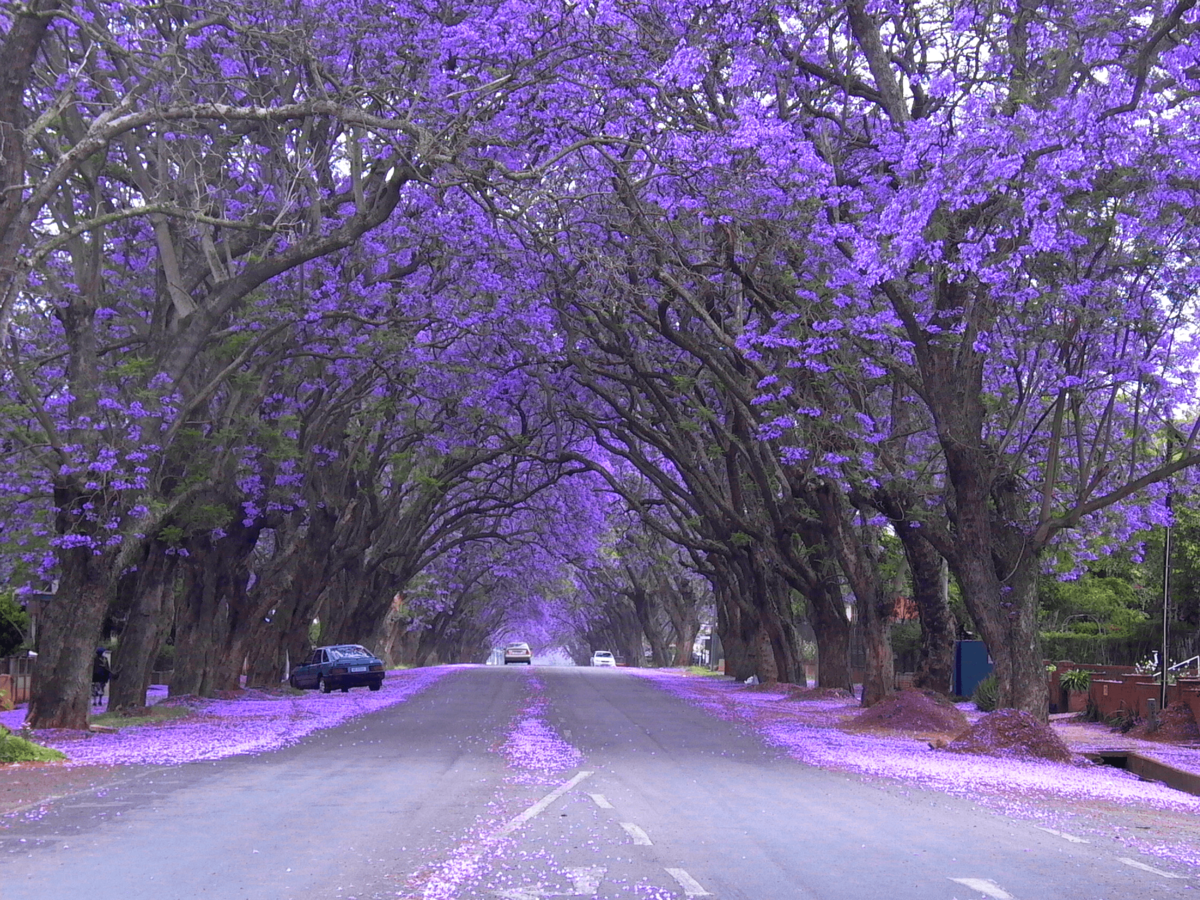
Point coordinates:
[[1166, 603]]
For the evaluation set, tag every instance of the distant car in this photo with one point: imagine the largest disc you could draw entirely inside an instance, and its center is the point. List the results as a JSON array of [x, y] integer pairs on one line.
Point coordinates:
[[338, 667], [518, 653], [603, 658]]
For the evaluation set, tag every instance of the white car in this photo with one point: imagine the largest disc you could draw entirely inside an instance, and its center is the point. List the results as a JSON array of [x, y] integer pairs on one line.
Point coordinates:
[[603, 658], [518, 653]]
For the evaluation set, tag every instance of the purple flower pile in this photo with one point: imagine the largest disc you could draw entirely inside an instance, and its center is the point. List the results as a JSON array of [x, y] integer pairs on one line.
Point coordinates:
[[533, 745]]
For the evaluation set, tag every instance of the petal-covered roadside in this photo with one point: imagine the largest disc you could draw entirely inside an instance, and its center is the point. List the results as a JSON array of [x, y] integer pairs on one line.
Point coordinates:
[[808, 730], [253, 723]]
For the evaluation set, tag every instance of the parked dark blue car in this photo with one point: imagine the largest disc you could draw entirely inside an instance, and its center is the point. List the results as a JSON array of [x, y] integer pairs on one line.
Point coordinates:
[[340, 667]]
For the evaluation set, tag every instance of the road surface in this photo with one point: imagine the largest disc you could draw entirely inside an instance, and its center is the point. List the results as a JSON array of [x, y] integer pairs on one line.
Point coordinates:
[[662, 801]]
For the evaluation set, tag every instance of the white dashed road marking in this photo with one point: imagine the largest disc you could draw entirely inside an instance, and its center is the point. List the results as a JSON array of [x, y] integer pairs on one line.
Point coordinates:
[[691, 887], [587, 880], [990, 888], [1064, 835], [639, 836], [601, 801], [517, 821], [1146, 868]]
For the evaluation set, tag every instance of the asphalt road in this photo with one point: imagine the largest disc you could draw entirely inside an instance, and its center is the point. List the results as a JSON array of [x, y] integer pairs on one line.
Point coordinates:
[[416, 802]]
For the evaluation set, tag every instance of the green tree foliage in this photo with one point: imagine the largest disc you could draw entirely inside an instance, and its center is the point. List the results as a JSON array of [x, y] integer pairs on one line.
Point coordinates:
[[14, 624], [1105, 617]]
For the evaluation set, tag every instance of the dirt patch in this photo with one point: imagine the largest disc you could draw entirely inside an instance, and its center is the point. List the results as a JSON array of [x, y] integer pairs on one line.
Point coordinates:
[[1012, 733], [914, 711], [1177, 725]]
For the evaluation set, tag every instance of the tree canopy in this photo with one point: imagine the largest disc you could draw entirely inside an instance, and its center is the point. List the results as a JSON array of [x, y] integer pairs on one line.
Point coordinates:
[[439, 325]]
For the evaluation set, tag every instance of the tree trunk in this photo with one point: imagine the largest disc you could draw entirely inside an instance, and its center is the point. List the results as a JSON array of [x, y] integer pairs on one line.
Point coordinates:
[[195, 649], [133, 661], [827, 613], [643, 604], [879, 680], [214, 616], [1006, 614], [680, 607], [935, 665], [67, 639], [733, 629], [779, 626]]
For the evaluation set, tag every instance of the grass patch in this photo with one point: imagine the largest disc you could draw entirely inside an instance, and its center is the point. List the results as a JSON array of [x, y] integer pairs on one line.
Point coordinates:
[[15, 749], [702, 670], [140, 715]]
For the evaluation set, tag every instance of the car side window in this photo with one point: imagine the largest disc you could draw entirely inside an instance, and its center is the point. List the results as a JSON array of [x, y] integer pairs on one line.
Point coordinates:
[[317, 657]]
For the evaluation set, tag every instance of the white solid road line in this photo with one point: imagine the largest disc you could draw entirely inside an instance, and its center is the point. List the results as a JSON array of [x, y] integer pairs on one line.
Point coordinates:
[[691, 887], [990, 888], [601, 801], [639, 836], [517, 821], [1146, 868], [1064, 835]]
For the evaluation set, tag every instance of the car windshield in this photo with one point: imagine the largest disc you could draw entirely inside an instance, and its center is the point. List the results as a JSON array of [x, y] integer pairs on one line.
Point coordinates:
[[604, 653], [347, 652]]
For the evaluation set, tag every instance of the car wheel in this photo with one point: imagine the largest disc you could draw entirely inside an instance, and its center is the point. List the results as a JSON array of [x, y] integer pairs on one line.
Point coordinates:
[[292, 682], [376, 686], [323, 686]]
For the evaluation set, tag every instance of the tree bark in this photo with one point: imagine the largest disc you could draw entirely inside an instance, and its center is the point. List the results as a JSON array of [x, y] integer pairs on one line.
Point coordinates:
[[680, 607], [859, 555], [831, 627], [643, 604], [70, 630], [935, 665], [133, 660]]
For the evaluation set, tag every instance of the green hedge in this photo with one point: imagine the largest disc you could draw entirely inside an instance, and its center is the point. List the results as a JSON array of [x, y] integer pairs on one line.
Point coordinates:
[[1100, 649]]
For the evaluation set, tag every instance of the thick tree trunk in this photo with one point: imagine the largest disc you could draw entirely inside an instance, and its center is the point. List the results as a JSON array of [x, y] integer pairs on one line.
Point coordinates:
[[827, 613], [859, 555], [764, 654], [779, 627], [133, 661], [215, 614], [195, 647], [879, 680], [399, 647], [739, 660], [644, 605], [935, 665], [680, 606], [70, 630]]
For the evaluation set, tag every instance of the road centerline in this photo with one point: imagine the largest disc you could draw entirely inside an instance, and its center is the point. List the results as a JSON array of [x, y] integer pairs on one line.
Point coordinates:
[[639, 837], [517, 821], [691, 887], [1145, 868], [990, 888]]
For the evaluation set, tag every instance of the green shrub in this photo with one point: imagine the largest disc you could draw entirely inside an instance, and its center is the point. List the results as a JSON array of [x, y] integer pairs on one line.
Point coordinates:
[[1076, 680], [15, 749], [14, 624], [987, 694]]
